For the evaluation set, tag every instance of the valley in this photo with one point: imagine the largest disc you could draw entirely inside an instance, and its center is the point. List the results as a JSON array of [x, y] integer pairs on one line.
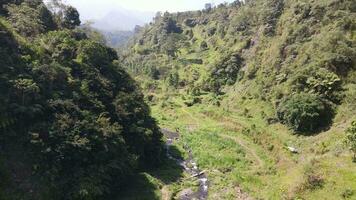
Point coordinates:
[[244, 100], [223, 77]]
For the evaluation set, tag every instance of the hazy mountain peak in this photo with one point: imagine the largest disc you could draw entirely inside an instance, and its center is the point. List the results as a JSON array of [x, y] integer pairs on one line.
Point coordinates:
[[122, 19]]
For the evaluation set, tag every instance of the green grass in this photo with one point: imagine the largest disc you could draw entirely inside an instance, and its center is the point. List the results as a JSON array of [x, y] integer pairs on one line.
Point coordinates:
[[234, 142], [215, 135]]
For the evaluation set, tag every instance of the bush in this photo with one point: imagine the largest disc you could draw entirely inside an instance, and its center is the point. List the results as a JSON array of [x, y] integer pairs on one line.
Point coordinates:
[[203, 45], [305, 113], [225, 72], [318, 81], [348, 193], [313, 179], [351, 139]]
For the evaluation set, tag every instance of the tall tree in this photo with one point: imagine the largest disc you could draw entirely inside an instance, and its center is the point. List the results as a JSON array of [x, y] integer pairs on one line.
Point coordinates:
[[70, 18]]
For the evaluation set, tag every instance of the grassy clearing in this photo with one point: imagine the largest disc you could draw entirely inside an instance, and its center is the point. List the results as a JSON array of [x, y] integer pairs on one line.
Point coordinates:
[[238, 148]]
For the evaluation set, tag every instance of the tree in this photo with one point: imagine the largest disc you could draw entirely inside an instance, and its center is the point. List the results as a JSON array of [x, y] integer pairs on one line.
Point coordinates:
[[25, 87], [31, 18], [25, 19], [171, 45], [225, 72], [351, 139], [3, 3], [66, 16], [76, 117], [71, 18], [46, 18], [169, 25]]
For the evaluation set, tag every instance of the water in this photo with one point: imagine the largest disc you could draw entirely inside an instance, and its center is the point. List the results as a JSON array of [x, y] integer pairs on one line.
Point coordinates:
[[190, 166]]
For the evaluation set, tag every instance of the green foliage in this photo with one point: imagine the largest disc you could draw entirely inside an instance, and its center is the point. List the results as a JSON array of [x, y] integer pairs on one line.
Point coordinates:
[[305, 113], [273, 10], [347, 194], [71, 17], [94, 53], [312, 179], [26, 19], [203, 45], [298, 55], [334, 51], [66, 16], [318, 81], [169, 25], [25, 87], [225, 72], [170, 47], [173, 79], [3, 3], [351, 138], [77, 118]]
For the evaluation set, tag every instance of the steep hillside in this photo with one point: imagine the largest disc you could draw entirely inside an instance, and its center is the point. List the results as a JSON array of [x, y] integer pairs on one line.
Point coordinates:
[[73, 123], [248, 84], [116, 39]]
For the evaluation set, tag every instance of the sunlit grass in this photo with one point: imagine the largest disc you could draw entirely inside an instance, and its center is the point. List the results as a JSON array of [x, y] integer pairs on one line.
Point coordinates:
[[206, 128]]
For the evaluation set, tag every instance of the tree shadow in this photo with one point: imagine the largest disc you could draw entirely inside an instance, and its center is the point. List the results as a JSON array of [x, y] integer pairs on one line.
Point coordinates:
[[139, 187], [147, 185], [170, 171]]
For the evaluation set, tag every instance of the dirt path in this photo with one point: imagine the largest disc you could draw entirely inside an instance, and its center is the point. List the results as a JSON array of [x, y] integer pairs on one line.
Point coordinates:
[[250, 151], [242, 195], [166, 194]]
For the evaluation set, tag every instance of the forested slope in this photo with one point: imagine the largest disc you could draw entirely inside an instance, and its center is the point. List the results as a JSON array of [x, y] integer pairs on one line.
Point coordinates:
[[73, 124], [270, 75]]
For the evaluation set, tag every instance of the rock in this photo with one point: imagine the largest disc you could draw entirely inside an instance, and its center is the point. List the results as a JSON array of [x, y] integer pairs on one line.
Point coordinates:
[[272, 121], [185, 194], [293, 150]]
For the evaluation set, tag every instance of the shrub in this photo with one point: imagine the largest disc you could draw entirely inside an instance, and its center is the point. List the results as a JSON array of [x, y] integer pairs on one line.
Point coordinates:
[[190, 22], [351, 139], [318, 81], [203, 45], [348, 193], [173, 79], [313, 179], [211, 31], [305, 112], [225, 72]]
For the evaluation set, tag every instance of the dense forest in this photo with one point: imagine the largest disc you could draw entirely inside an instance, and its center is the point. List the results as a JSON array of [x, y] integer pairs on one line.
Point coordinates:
[[278, 75], [73, 124]]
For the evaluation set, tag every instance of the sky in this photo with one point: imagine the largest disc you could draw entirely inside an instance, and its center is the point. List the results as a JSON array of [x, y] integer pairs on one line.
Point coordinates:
[[98, 8]]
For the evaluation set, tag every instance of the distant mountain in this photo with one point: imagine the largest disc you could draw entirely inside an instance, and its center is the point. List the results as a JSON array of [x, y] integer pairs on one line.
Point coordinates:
[[123, 20], [117, 39]]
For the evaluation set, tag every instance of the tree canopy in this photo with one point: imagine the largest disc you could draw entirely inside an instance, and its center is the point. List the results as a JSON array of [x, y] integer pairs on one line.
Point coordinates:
[[72, 120]]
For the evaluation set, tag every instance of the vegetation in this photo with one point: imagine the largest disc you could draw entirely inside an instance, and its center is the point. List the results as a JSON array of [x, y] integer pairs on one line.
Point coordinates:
[[74, 125], [305, 113], [238, 81], [255, 73], [351, 139]]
